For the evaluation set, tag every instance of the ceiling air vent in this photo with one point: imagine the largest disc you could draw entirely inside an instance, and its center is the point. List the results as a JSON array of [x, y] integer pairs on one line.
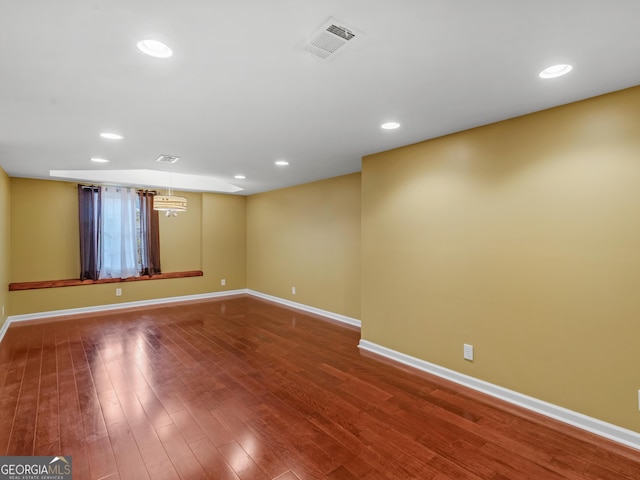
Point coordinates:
[[331, 37], [167, 159]]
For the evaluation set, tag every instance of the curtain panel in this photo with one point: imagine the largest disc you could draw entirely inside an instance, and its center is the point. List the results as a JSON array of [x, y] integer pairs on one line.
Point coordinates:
[[150, 234], [119, 240], [89, 200]]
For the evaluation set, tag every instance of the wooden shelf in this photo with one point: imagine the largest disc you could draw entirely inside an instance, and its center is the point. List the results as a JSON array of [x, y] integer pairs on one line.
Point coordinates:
[[74, 282]]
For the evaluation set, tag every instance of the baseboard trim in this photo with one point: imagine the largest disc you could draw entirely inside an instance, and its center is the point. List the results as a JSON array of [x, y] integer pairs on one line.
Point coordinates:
[[5, 327], [12, 319], [584, 422], [306, 308]]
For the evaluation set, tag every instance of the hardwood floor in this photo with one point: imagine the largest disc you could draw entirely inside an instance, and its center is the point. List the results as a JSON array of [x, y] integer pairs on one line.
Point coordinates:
[[240, 388]]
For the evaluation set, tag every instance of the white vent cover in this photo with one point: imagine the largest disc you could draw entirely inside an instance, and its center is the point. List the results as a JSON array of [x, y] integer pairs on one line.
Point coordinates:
[[333, 36], [167, 159]]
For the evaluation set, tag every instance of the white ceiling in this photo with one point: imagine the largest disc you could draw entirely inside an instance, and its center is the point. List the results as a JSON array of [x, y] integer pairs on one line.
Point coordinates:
[[239, 93]]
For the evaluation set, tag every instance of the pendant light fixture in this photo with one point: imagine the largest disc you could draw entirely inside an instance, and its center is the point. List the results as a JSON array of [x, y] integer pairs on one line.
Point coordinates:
[[169, 203]]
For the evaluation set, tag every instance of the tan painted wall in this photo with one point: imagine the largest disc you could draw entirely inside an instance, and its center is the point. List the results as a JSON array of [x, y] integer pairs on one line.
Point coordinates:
[[225, 241], [308, 236], [45, 246], [181, 239], [523, 239], [5, 265], [44, 230]]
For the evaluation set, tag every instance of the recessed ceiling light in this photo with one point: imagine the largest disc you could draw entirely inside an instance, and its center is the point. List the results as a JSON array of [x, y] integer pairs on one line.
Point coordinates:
[[282, 163], [154, 48], [555, 71], [111, 136], [390, 125], [240, 177], [100, 160]]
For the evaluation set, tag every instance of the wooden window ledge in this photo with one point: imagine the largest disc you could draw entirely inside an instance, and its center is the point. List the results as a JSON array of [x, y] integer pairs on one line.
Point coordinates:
[[75, 282]]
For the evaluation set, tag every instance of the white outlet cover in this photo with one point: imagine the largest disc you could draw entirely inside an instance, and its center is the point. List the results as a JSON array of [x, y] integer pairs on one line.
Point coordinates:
[[468, 352], [223, 282]]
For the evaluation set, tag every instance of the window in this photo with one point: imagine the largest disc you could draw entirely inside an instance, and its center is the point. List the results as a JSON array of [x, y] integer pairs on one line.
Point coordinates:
[[119, 245], [119, 233]]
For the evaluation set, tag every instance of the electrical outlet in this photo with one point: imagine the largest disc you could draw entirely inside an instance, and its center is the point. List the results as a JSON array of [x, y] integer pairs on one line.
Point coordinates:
[[118, 292], [638, 399], [3, 310], [468, 352], [293, 290], [223, 282]]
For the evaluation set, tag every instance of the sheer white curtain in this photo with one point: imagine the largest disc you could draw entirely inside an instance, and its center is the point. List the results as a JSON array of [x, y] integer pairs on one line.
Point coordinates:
[[119, 248]]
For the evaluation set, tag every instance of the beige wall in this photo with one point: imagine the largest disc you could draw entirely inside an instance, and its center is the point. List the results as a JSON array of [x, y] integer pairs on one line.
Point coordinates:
[[45, 246], [44, 230], [224, 229], [523, 239], [308, 237], [5, 266], [181, 241]]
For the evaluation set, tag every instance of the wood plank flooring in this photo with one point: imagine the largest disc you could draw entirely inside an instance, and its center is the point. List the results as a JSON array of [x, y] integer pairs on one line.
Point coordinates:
[[239, 388]]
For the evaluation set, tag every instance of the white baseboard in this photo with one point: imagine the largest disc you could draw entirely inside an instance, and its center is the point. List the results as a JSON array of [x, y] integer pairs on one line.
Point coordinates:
[[5, 327], [590, 424], [593, 425], [113, 306], [185, 298], [306, 308]]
